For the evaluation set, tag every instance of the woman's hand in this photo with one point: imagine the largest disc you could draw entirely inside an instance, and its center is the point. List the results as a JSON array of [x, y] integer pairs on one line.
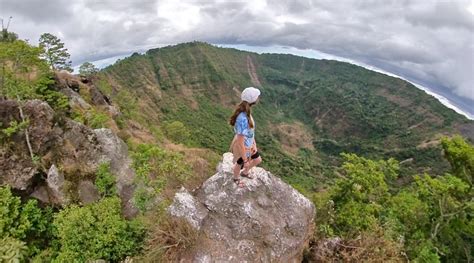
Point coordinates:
[[254, 149]]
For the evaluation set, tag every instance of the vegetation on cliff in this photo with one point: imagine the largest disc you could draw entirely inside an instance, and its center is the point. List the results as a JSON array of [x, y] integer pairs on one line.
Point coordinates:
[[369, 149]]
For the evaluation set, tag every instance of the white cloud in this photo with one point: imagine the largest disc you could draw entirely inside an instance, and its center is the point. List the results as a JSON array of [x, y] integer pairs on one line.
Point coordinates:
[[180, 15], [471, 7], [431, 42]]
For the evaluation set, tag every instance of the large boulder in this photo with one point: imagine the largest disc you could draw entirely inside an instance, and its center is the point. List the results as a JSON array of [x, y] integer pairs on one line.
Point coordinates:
[[265, 221]]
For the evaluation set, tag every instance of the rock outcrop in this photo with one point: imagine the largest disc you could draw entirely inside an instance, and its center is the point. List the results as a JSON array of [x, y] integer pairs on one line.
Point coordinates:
[[73, 86], [265, 221], [69, 153], [18, 170], [115, 152]]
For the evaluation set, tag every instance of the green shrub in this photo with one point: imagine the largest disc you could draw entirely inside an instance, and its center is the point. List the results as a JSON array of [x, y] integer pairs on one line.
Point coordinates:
[[97, 119], [58, 101], [411, 212], [143, 196], [12, 250], [127, 102], [365, 179], [24, 221], [151, 162], [29, 76], [460, 155], [433, 215], [427, 254], [13, 128], [78, 116], [104, 86], [155, 168], [105, 180], [96, 231], [354, 216], [177, 132]]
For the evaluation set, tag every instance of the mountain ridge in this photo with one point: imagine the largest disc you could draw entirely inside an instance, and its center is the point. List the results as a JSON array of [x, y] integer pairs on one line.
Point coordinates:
[[360, 110], [449, 99]]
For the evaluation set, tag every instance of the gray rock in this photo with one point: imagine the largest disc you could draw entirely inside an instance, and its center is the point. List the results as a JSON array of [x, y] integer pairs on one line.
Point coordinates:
[[53, 191], [16, 167], [115, 151], [87, 192], [41, 193], [185, 205], [113, 110], [75, 100], [265, 221], [55, 182], [16, 171], [41, 117]]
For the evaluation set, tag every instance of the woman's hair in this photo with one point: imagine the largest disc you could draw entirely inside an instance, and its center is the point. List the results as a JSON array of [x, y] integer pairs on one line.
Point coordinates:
[[242, 107]]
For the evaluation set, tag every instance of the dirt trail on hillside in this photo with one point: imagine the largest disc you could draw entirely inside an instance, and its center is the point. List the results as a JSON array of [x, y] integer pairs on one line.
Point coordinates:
[[428, 144], [252, 72], [416, 125], [320, 119]]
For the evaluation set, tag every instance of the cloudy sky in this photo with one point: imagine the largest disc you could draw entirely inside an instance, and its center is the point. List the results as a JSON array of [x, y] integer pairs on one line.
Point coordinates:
[[430, 42]]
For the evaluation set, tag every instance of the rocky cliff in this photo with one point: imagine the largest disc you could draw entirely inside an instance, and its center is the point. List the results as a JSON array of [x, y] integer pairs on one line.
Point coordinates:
[[265, 221], [68, 152]]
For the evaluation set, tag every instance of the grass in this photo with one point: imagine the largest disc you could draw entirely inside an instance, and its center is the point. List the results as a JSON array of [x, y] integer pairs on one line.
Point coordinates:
[[168, 237]]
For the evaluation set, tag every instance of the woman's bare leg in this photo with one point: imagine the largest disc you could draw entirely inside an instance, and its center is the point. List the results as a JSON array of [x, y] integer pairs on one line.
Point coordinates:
[[236, 171], [253, 163]]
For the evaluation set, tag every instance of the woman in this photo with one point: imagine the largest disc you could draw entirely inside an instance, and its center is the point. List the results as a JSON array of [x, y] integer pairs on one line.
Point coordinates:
[[244, 147]]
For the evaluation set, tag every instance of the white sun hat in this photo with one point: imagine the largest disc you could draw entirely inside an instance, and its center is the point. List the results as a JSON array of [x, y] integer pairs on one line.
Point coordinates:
[[250, 94]]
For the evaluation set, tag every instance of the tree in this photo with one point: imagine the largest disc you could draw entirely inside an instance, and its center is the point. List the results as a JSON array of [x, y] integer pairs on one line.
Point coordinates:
[[461, 157], [88, 69], [6, 36], [54, 52], [360, 194]]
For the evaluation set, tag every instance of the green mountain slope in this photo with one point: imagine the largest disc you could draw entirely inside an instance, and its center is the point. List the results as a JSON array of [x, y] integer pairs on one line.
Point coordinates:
[[310, 111]]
